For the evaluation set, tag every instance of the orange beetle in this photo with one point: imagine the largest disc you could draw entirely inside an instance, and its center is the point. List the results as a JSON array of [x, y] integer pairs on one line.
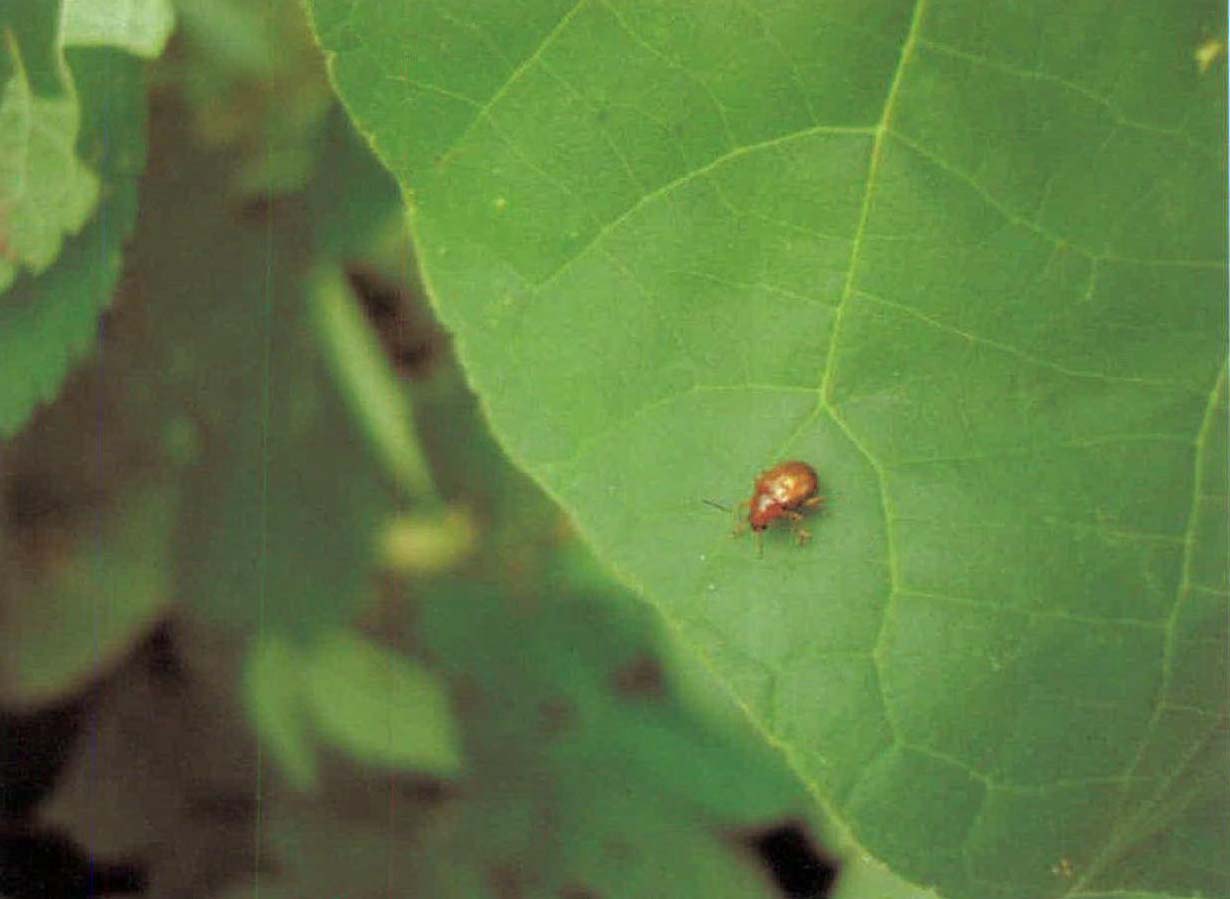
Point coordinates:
[[784, 491]]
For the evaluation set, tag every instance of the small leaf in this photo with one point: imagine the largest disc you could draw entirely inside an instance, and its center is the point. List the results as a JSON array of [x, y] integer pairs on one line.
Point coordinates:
[[274, 690], [363, 374], [86, 613], [380, 707], [46, 190], [48, 322], [253, 81], [139, 26]]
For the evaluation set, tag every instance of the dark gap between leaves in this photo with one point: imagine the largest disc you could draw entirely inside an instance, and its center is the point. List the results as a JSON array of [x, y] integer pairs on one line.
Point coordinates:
[[407, 332], [797, 866]]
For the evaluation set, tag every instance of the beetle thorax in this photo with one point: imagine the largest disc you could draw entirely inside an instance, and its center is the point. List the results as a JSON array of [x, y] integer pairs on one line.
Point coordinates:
[[764, 509], [764, 503]]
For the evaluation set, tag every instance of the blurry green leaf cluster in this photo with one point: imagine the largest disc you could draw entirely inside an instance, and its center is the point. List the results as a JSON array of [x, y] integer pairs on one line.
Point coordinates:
[[72, 143], [48, 188], [253, 80]]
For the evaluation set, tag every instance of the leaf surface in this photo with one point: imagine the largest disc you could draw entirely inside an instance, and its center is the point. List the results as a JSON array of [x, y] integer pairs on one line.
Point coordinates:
[[46, 190], [115, 582], [72, 144], [967, 258], [381, 706], [139, 26]]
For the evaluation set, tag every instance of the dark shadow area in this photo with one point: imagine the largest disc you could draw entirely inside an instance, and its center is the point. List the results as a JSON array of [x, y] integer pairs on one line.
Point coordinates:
[[34, 747], [44, 864], [35, 862], [797, 865], [407, 332]]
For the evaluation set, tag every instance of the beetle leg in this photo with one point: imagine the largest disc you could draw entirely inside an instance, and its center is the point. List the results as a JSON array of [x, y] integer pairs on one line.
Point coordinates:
[[801, 535], [816, 502], [741, 524]]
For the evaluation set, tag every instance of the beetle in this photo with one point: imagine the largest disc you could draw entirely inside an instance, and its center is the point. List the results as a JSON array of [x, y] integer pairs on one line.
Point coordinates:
[[786, 490]]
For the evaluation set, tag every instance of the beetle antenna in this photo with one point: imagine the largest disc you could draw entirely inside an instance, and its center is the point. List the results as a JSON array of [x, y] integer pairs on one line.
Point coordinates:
[[709, 502]]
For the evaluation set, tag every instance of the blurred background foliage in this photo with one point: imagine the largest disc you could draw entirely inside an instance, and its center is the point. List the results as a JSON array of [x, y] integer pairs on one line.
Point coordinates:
[[278, 617]]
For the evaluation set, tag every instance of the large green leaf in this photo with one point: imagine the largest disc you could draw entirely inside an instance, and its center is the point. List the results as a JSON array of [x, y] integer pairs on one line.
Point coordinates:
[[966, 257]]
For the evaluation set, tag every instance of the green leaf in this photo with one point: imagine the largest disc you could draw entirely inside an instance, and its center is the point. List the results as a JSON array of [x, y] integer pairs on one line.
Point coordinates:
[[49, 321], [64, 626], [46, 190], [563, 653], [968, 258], [363, 374], [273, 689], [377, 706], [381, 707], [72, 143], [866, 879], [138, 26], [354, 200], [254, 82]]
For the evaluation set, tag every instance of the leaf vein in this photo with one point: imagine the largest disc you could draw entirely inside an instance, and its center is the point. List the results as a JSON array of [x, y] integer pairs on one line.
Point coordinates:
[[485, 110], [1093, 97], [1045, 614], [1116, 838], [1021, 354], [684, 179]]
